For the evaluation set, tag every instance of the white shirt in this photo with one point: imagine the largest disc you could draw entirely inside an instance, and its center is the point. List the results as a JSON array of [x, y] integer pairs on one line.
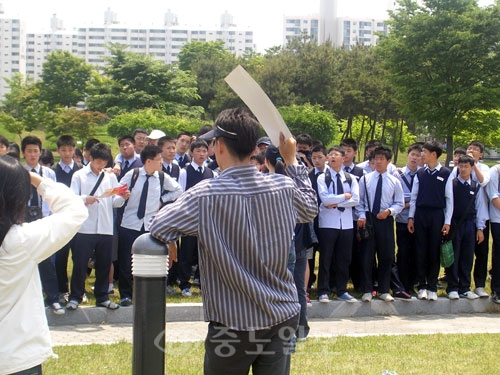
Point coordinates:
[[100, 220], [172, 188], [332, 217], [183, 174], [24, 333], [46, 173]]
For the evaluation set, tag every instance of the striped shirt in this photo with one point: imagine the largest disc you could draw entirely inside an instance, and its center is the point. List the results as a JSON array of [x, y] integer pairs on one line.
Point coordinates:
[[244, 221]]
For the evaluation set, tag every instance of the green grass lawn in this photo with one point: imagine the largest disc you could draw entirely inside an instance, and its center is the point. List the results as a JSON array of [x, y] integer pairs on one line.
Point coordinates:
[[412, 354]]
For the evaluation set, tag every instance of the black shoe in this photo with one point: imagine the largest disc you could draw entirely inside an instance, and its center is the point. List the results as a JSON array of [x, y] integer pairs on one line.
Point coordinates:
[[126, 302], [495, 298], [402, 295]]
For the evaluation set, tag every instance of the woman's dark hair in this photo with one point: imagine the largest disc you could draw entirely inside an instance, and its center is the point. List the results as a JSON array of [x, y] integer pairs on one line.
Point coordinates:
[[15, 191], [274, 158]]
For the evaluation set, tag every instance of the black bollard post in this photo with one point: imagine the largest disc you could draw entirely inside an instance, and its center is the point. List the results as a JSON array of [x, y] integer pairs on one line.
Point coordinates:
[[149, 268]]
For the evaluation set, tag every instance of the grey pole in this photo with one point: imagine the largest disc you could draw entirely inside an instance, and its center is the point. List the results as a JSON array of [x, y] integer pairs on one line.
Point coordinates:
[[149, 268]]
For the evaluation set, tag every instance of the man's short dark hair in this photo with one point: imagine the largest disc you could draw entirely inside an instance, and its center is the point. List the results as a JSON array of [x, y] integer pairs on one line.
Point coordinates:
[[338, 149], [433, 146], [141, 131], [373, 143], [204, 129], [165, 139], [460, 151], [385, 151], [415, 147], [304, 139], [46, 157], [349, 142], [149, 152], [477, 144], [319, 148], [246, 130], [184, 133], [90, 143], [100, 151], [65, 140], [197, 143], [31, 140], [466, 159], [4, 141], [126, 137]]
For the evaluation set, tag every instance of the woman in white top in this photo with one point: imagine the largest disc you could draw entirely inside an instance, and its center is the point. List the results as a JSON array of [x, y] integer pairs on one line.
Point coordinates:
[[24, 334]]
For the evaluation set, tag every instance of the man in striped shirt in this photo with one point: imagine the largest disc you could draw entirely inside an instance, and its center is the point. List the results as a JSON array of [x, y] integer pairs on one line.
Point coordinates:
[[244, 221]]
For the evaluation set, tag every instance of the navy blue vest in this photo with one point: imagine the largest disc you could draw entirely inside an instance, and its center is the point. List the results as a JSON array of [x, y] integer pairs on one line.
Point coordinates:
[[174, 173], [135, 164], [64, 177], [431, 188], [462, 199], [193, 176]]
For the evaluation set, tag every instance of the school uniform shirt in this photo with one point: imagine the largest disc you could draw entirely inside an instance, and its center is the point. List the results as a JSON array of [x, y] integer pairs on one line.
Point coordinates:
[[448, 195], [183, 174], [172, 191], [404, 175], [480, 208], [174, 169], [45, 173], [186, 159], [392, 194], [64, 172], [492, 192], [333, 217], [100, 220], [25, 337]]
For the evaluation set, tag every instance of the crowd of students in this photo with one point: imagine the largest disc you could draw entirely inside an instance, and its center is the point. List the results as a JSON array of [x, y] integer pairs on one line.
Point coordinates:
[[365, 210]]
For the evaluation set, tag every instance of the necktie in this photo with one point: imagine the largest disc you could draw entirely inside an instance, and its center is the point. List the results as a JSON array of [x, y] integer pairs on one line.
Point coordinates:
[[169, 170], [141, 211], [466, 184], [34, 193], [340, 190], [347, 169], [181, 161], [126, 165], [200, 169], [378, 196], [412, 177], [318, 173]]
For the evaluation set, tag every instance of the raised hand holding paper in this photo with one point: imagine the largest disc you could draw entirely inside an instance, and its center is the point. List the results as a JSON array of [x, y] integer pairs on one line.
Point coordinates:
[[259, 103]]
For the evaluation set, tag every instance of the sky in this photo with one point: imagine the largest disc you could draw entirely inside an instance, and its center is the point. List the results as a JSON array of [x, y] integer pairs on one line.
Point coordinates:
[[263, 17]]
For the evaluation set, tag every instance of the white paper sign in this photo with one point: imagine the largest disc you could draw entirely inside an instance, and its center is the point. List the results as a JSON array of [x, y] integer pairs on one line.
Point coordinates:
[[259, 103]]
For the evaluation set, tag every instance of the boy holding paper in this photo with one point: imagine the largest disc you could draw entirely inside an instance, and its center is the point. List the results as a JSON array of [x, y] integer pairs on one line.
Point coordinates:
[[96, 232]]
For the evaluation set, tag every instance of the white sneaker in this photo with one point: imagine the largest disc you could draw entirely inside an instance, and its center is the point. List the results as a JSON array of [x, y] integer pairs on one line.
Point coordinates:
[[453, 295], [386, 297], [432, 296], [186, 292], [481, 293], [57, 309], [367, 297], [324, 298], [469, 295], [422, 294]]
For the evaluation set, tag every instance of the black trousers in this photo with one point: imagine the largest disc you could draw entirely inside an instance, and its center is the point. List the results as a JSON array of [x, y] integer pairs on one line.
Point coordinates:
[[406, 256], [83, 246], [335, 251], [61, 264], [37, 370], [127, 238], [495, 258], [481, 251], [266, 351], [458, 274], [185, 256], [428, 224], [382, 244], [48, 278]]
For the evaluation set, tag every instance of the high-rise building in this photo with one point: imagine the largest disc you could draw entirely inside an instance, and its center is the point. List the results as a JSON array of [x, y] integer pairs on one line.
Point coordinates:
[[12, 49]]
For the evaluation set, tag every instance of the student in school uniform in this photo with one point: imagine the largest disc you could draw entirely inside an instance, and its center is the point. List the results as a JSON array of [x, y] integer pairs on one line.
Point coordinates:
[[493, 191], [339, 193], [189, 176], [182, 147], [381, 199], [468, 221], [169, 164], [31, 147], [127, 159], [407, 256], [64, 171], [431, 209], [96, 233], [146, 197]]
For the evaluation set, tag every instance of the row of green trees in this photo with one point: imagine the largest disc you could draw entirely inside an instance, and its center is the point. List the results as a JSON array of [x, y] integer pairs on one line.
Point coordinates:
[[435, 74]]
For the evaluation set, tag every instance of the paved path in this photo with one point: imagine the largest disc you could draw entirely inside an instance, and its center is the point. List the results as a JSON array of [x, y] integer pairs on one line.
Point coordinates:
[[361, 326]]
